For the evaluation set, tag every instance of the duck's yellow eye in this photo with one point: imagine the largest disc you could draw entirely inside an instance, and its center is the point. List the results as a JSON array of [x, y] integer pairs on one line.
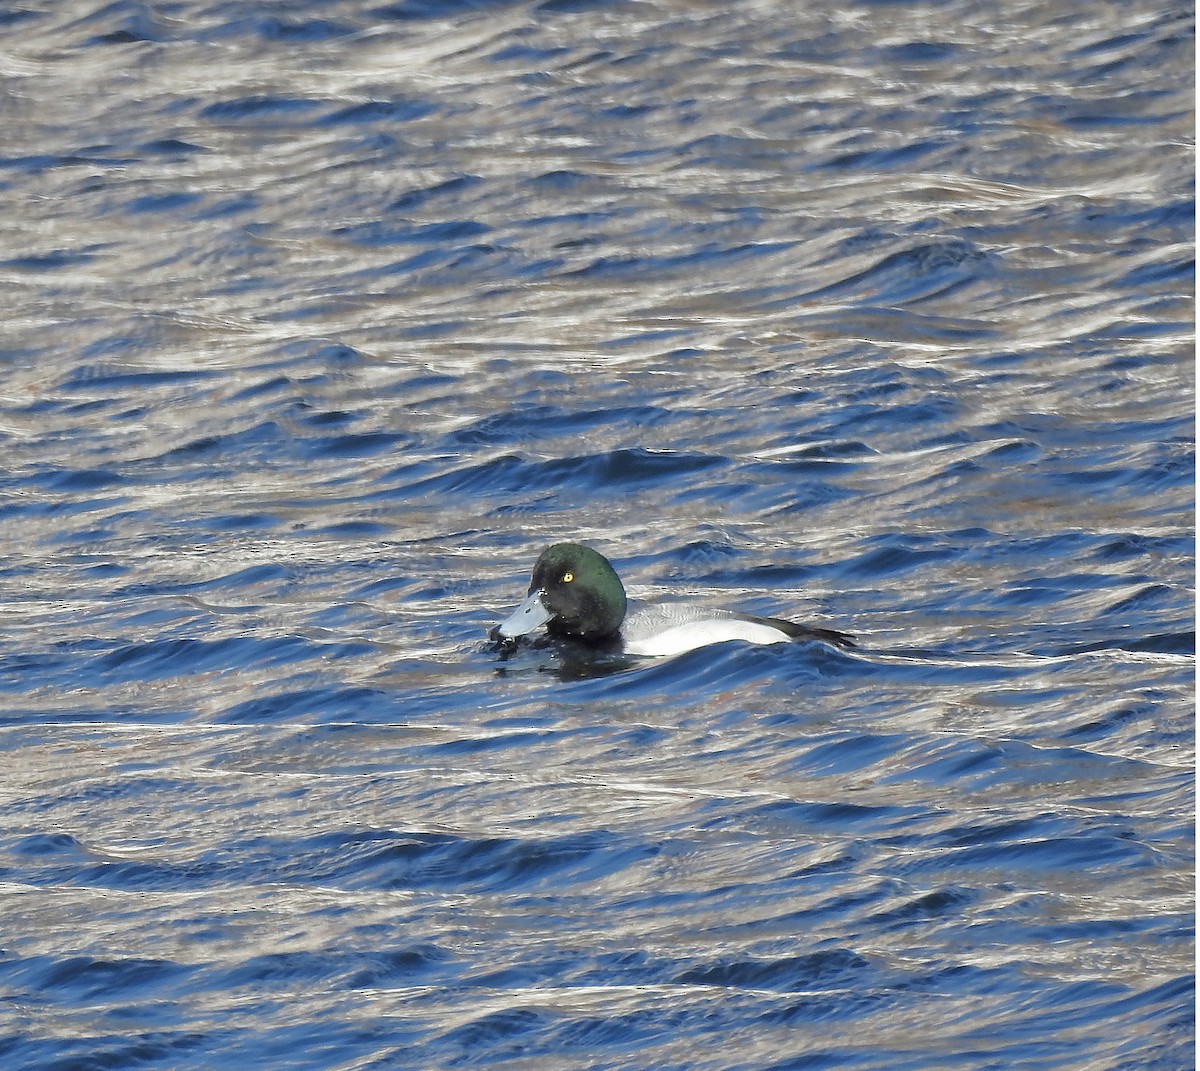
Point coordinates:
[[568, 577]]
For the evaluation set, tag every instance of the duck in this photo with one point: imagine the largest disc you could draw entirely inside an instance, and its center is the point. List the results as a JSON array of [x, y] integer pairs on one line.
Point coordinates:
[[576, 595]]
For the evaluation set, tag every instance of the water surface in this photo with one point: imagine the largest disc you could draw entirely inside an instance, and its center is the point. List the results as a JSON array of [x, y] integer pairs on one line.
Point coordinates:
[[322, 319]]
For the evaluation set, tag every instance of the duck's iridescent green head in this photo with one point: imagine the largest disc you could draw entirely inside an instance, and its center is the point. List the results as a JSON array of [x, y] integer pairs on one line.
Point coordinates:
[[574, 592]]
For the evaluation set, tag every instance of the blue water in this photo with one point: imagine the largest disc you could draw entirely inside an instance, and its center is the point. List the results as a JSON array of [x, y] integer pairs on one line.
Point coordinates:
[[322, 319]]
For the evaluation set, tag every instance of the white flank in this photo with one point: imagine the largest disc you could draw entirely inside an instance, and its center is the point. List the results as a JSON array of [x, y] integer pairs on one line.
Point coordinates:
[[695, 634]]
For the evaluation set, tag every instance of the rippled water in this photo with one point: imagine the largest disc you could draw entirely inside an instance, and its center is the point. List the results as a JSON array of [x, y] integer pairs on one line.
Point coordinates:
[[322, 319]]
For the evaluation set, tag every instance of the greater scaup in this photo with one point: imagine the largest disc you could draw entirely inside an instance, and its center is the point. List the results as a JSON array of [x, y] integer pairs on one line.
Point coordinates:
[[576, 594]]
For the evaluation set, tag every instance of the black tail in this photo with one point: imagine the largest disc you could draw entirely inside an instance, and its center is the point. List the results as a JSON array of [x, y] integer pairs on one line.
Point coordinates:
[[804, 632]]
